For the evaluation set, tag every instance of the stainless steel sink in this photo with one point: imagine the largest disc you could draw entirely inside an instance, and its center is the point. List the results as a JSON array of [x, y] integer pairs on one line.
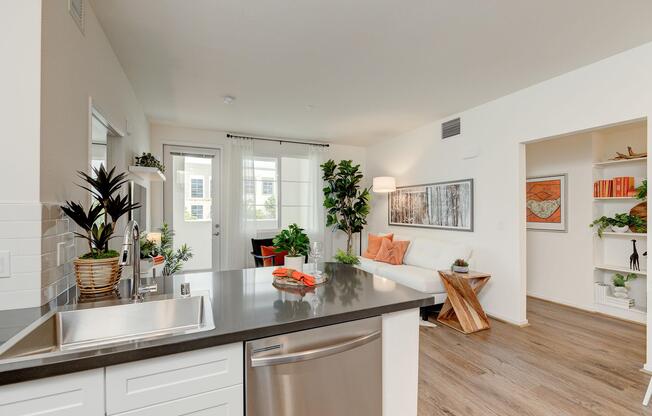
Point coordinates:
[[88, 326]]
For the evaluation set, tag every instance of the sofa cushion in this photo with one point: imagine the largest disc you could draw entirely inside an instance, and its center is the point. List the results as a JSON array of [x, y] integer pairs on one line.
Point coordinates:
[[434, 254], [392, 252], [373, 244], [368, 265], [418, 278]]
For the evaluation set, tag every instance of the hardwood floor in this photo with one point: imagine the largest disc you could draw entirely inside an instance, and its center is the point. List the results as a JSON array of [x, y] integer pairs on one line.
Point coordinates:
[[567, 362]]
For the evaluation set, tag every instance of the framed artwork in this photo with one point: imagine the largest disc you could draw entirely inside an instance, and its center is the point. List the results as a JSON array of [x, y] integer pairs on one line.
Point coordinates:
[[443, 205], [546, 203]]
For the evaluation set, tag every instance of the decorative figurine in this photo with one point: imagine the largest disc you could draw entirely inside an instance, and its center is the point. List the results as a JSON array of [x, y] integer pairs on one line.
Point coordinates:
[[633, 259]]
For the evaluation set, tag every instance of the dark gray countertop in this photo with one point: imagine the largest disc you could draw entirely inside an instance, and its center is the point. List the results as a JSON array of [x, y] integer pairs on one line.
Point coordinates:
[[245, 306]]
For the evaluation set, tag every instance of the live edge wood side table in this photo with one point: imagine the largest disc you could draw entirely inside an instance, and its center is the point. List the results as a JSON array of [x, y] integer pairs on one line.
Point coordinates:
[[462, 310]]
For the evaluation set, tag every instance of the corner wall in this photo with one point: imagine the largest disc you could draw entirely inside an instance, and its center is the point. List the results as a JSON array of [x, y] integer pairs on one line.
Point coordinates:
[[490, 150]]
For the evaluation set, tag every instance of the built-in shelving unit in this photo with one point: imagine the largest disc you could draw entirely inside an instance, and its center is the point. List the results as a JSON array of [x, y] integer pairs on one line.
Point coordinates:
[[148, 174], [611, 252]]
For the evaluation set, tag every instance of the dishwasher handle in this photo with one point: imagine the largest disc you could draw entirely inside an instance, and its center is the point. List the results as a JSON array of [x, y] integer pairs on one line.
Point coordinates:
[[296, 357]]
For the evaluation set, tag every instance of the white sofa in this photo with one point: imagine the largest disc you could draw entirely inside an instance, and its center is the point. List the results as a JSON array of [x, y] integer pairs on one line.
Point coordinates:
[[420, 264]]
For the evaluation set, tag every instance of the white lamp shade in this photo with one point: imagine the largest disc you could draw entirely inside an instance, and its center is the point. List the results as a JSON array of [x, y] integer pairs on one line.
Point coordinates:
[[384, 184]]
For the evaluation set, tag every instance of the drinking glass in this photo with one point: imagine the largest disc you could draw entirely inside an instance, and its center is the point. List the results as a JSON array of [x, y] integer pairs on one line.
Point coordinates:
[[316, 252]]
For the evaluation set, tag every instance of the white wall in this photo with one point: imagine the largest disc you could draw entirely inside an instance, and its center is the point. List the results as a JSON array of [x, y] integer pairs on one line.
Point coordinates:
[[560, 265], [20, 83], [490, 151], [77, 66], [165, 134]]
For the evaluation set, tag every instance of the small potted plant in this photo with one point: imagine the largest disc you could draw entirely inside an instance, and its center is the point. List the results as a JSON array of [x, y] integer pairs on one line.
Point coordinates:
[[626, 222], [621, 290], [295, 241], [603, 224], [99, 270], [460, 266], [148, 160]]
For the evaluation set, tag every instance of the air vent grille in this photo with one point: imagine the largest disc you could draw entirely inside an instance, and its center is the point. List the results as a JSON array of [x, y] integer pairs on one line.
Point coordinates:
[[451, 128], [76, 9]]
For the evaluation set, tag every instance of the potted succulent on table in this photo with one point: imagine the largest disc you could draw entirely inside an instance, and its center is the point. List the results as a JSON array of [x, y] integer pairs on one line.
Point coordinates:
[[295, 241], [621, 290], [460, 266], [99, 270]]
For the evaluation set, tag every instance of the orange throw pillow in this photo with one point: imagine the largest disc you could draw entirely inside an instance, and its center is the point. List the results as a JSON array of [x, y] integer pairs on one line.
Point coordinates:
[[373, 244], [392, 252], [279, 258]]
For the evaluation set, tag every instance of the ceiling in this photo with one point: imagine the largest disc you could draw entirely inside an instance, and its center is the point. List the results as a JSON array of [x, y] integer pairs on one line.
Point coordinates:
[[352, 71]]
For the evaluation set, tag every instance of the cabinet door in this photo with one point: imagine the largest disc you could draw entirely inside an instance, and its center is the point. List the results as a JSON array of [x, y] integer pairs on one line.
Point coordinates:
[[76, 394], [223, 402], [158, 380]]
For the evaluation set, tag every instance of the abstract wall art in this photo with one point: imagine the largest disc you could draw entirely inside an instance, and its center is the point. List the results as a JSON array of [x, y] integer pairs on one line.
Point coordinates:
[[546, 203], [443, 205]]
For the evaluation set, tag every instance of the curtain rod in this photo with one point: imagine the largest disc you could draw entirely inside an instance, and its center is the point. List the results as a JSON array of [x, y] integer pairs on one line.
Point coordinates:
[[236, 136]]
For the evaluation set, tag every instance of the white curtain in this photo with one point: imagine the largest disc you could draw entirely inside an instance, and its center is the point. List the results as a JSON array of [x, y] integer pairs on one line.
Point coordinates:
[[316, 226], [240, 201]]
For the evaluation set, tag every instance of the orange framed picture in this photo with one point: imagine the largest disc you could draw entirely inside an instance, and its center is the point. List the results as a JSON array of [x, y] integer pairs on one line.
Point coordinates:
[[546, 203]]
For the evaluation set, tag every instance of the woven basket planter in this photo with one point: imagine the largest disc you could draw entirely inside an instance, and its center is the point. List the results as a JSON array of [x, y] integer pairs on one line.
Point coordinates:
[[96, 277]]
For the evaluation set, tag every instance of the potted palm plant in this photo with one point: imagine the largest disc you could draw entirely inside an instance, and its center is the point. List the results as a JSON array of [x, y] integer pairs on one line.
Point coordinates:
[[98, 271], [295, 241]]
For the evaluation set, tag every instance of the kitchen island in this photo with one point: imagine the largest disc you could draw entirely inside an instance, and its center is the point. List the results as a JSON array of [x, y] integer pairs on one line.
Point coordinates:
[[245, 306]]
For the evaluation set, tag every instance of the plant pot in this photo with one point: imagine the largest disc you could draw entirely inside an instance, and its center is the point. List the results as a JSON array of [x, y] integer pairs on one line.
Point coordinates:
[[461, 269], [618, 229], [621, 292], [97, 276], [295, 262]]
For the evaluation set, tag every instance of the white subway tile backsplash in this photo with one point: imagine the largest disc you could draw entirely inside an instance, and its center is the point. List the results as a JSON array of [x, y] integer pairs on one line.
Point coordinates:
[[20, 229], [20, 212], [25, 264], [21, 281]]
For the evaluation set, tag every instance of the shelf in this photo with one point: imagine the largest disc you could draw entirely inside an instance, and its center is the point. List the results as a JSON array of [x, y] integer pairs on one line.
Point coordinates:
[[608, 163], [635, 314], [148, 174], [619, 269], [615, 198], [614, 234]]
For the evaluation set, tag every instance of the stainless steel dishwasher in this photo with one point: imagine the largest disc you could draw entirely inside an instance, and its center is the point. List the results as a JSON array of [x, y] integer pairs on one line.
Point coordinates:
[[329, 371]]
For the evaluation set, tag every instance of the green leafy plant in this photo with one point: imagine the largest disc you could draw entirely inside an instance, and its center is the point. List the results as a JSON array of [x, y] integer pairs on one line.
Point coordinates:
[[174, 260], [293, 240], [620, 220], [148, 248], [621, 281], [150, 161], [98, 222], [343, 257], [346, 203], [641, 191], [461, 263]]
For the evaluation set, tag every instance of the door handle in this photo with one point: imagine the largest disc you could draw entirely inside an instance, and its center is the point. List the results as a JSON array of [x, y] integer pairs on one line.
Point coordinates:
[[217, 234], [296, 357]]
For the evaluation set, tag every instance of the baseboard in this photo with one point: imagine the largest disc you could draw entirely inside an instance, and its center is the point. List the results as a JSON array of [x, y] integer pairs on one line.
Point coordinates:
[[647, 369], [587, 310], [502, 318], [563, 303]]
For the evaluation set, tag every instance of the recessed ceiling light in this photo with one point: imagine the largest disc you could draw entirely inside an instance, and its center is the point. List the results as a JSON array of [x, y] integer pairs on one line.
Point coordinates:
[[228, 99]]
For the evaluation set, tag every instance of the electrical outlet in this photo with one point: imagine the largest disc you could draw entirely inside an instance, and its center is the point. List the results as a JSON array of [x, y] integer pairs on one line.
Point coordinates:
[[61, 253], [5, 264]]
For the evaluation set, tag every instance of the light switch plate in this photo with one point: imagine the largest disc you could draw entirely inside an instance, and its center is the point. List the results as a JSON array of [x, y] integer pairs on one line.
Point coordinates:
[[61, 253], [5, 264]]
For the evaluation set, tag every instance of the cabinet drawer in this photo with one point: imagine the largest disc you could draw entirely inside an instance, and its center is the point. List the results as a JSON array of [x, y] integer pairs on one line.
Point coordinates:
[[76, 394], [145, 383], [224, 402]]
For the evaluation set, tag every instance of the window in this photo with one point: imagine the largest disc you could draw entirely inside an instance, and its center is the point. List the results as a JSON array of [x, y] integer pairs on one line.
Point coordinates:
[[197, 188], [197, 212], [280, 203], [268, 187]]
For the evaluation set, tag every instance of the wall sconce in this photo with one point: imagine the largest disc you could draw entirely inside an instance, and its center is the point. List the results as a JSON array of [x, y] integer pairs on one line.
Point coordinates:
[[384, 184]]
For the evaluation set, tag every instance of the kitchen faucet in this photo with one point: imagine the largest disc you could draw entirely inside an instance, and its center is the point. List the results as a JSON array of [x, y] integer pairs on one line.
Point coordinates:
[[132, 238]]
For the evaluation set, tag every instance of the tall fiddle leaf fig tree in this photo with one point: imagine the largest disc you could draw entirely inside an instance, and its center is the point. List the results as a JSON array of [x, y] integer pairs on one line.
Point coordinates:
[[346, 202]]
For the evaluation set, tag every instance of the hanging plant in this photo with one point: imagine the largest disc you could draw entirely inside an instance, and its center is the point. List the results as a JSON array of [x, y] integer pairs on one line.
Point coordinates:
[[148, 160]]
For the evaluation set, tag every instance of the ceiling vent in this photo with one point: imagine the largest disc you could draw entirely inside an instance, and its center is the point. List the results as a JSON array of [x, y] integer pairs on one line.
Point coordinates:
[[451, 128], [76, 9]]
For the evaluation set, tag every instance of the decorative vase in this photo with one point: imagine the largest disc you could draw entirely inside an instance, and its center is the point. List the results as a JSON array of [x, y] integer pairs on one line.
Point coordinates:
[[622, 229], [97, 276], [621, 292], [461, 269], [295, 262]]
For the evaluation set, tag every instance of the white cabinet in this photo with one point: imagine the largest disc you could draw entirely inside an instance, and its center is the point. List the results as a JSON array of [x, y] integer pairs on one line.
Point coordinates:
[[163, 383], [76, 394]]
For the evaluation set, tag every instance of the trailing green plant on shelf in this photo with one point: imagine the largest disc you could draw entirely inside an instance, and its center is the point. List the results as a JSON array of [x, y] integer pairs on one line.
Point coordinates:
[[98, 222], [621, 281], [293, 240], [634, 222], [150, 161]]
